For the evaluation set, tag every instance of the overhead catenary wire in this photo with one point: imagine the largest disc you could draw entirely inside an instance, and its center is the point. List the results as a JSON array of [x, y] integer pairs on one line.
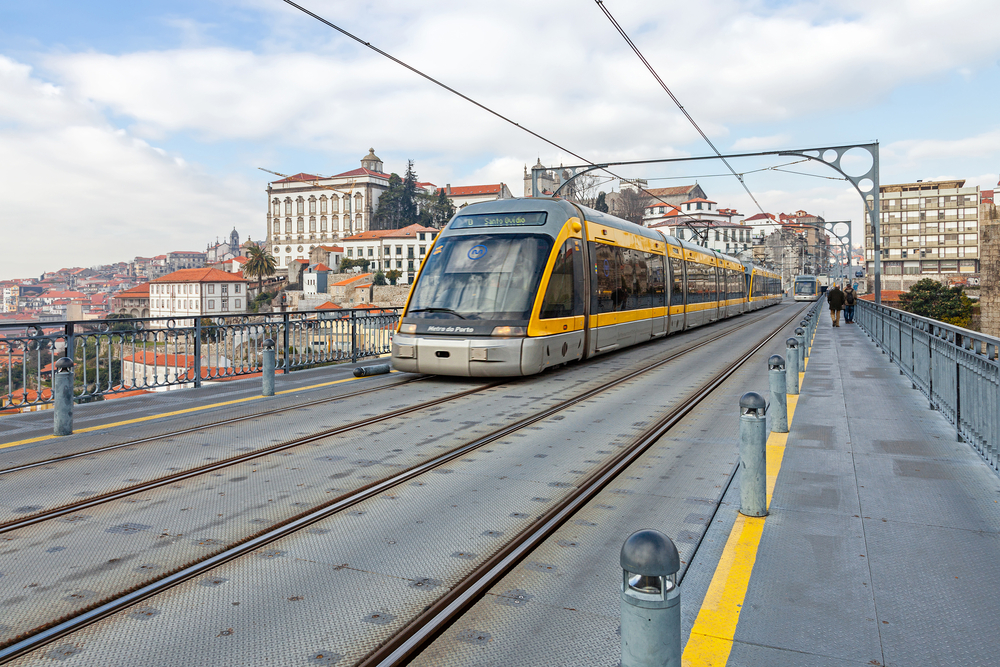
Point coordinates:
[[491, 111], [680, 106]]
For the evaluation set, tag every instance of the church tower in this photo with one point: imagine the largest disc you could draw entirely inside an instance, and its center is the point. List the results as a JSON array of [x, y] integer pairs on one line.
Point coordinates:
[[234, 242], [372, 162]]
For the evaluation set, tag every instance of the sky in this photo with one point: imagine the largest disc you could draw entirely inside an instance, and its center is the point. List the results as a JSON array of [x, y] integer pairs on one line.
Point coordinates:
[[137, 128]]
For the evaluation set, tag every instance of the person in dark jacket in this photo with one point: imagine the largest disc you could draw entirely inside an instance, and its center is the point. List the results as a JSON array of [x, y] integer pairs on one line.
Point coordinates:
[[835, 298], [850, 299]]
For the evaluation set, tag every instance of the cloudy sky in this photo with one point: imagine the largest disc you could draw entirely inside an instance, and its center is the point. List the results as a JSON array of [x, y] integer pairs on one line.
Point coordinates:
[[136, 128]]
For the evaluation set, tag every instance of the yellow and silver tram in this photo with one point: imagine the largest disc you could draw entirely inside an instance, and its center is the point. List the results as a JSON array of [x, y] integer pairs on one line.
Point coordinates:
[[806, 288], [514, 286]]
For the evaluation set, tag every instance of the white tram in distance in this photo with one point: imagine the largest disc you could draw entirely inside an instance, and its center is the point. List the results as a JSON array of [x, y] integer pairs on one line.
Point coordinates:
[[512, 287], [807, 288]]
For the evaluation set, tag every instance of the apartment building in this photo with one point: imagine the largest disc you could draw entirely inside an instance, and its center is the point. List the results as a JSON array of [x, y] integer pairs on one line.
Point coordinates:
[[929, 229], [392, 249]]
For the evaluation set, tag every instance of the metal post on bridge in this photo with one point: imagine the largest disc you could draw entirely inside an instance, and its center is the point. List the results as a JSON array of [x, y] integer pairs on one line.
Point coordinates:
[[62, 390], [267, 374], [792, 366], [800, 335], [650, 601], [779, 402], [753, 455]]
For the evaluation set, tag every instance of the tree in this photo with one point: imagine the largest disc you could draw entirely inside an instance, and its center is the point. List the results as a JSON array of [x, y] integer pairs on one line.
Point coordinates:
[[260, 264], [393, 276], [441, 210], [388, 214], [601, 204], [582, 189], [929, 298], [402, 204], [632, 205], [379, 279], [348, 263]]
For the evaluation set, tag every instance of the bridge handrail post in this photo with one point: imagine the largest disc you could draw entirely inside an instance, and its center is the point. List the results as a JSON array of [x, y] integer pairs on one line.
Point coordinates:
[[650, 601], [62, 389], [779, 402], [753, 455]]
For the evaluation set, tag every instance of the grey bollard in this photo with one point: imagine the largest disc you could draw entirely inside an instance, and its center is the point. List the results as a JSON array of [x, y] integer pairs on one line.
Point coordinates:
[[267, 376], [779, 404], [807, 332], [62, 395], [800, 335], [650, 601], [792, 367], [753, 455], [365, 371]]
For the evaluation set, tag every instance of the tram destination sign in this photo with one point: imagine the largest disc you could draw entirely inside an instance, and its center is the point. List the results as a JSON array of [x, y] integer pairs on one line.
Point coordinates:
[[499, 220]]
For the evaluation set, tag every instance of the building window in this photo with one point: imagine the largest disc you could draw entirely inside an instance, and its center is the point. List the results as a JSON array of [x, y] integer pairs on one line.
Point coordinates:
[[322, 204], [211, 304], [288, 225], [350, 252], [371, 252], [277, 226], [312, 223], [312, 206], [225, 304], [238, 304], [288, 206], [236, 288], [301, 226], [322, 222], [399, 264], [211, 289], [277, 207], [300, 205], [334, 204], [399, 250]]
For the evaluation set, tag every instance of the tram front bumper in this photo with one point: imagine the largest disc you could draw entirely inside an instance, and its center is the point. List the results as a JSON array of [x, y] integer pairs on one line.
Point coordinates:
[[468, 357]]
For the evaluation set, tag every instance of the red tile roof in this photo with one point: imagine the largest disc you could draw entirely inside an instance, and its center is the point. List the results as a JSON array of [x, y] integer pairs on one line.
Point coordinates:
[[298, 178], [671, 192], [465, 190], [348, 281], [321, 267], [137, 292], [361, 171], [410, 230], [697, 199], [200, 276], [329, 305]]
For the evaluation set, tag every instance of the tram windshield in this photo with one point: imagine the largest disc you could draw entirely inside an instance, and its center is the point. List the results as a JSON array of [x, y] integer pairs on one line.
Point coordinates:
[[805, 286], [481, 277]]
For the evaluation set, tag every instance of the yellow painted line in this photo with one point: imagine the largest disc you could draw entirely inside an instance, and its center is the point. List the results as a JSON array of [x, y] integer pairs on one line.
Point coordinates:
[[711, 639], [139, 420]]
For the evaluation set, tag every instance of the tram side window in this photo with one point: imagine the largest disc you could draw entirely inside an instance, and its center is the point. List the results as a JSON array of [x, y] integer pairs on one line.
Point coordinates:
[[627, 278], [562, 297], [696, 282], [713, 283], [677, 282], [643, 298], [607, 295], [655, 285]]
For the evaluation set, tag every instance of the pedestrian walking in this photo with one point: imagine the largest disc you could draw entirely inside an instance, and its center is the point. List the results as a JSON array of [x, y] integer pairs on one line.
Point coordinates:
[[835, 298], [850, 299]]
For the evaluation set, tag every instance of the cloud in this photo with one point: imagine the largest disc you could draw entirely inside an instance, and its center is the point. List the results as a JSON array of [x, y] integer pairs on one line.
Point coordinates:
[[79, 192], [762, 143], [921, 150]]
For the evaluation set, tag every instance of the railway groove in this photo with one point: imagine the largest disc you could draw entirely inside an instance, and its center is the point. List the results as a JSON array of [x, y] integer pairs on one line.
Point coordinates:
[[549, 522]]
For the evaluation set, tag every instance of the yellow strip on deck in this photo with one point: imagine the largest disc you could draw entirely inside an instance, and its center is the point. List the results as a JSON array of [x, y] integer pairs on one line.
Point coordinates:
[[147, 418], [712, 635]]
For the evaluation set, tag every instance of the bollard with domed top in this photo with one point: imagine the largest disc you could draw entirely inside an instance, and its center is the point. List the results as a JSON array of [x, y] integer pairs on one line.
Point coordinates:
[[753, 455], [267, 376], [800, 334], [792, 366], [650, 601], [778, 386], [807, 332], [62, 390]]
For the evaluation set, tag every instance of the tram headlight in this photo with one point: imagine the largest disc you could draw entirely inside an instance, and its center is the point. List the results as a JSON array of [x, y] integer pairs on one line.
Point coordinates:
[[408, 328], [509, 331]]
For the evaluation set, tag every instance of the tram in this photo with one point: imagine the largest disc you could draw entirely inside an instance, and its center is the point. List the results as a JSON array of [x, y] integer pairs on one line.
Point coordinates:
[[515, 286], [806, 288]]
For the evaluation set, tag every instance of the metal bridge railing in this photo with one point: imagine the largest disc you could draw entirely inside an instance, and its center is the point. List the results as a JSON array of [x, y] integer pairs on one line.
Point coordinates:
[[957, 369], [120, 355]]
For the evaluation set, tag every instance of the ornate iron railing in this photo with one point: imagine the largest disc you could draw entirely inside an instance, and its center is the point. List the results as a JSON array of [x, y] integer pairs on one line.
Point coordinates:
[[957, 369], [116, 356]]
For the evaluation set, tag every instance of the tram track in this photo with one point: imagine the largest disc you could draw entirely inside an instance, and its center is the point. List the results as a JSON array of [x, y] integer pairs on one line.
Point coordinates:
[[287, 527]]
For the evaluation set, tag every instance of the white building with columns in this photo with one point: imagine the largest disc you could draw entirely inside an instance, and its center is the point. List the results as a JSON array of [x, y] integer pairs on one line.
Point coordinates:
[[306, 211]]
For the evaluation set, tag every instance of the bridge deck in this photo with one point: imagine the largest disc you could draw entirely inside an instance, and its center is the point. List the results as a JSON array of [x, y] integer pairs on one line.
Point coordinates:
[[882, 540]]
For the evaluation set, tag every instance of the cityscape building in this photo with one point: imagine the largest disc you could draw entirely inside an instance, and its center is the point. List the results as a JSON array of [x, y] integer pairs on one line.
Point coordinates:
[[193, 293], [392, 249]]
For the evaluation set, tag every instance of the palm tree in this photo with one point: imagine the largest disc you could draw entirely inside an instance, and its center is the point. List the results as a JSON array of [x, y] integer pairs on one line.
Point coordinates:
[[260, 264]]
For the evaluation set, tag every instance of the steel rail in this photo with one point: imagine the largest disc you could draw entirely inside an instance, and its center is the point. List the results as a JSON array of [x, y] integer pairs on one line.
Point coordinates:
[[289, 526], [194, 429], [438, 616]]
